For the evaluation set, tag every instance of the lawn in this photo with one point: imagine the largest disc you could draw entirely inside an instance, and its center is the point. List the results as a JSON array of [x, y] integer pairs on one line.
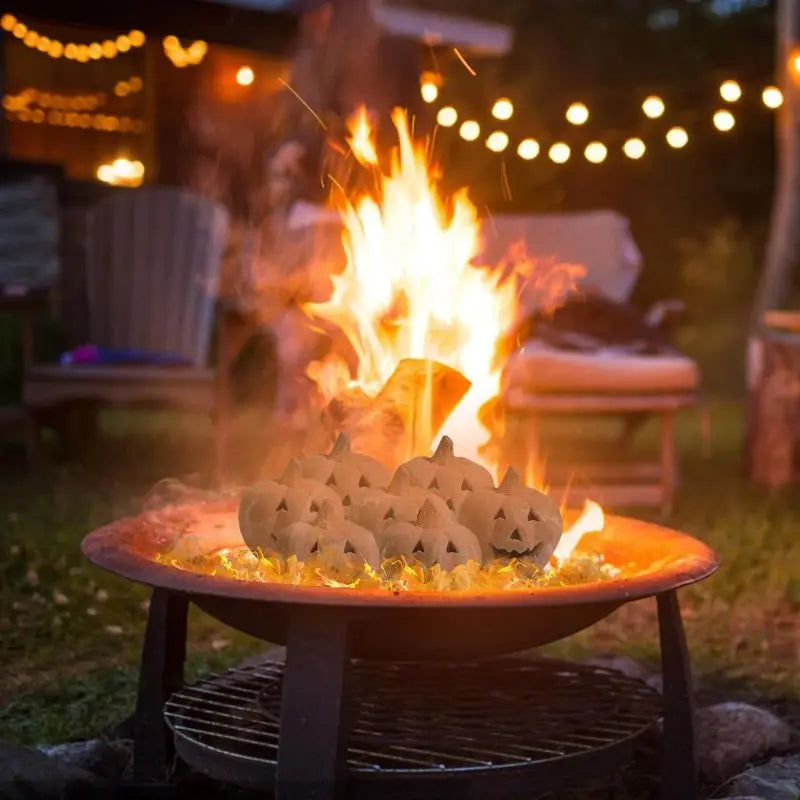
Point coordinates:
[[70, 634]]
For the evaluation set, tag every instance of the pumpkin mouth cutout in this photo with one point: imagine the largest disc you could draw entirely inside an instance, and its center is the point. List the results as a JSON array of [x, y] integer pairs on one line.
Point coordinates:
[[531, 552]]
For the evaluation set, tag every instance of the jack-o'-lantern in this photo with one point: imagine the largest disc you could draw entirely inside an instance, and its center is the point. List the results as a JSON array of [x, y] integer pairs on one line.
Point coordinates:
[[344, 470], [330, 538], [513, 521], [433, 538]]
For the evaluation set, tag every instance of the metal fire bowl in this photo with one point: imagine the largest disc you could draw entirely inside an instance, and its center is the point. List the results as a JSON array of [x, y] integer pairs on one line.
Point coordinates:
[[425, 625]]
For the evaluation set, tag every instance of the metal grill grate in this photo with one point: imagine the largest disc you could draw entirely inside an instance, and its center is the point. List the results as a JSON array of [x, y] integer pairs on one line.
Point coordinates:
[[426, 718]]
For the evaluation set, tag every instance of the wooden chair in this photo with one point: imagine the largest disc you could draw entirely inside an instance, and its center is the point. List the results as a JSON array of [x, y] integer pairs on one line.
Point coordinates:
[[153, 260]]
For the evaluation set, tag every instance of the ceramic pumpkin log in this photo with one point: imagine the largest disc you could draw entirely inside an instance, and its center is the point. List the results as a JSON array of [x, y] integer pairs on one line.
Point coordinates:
[[331, 538], [447, 475], [375, 508], [433, 538], [266, 508], [344, 470], [513, 521]]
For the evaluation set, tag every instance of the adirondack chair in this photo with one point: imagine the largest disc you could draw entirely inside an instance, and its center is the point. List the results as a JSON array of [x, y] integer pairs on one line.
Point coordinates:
[[541, 382], [153, 259]]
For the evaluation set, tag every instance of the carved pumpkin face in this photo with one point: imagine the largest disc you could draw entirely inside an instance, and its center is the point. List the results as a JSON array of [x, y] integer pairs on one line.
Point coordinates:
[[375, 508], [272, 505], [266, 508], [513, 521], [345, 471], [336, 541], [447, 475], [432, 538]]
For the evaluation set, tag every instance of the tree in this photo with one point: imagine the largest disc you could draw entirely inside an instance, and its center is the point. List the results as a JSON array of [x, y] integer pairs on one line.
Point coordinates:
[[783, 249]]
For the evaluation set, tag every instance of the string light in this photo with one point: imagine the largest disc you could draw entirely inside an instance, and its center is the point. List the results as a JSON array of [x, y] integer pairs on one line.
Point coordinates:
[[559, 153], [95, 51], [73, 119], [577, 114], [730, 91], [429, 92], [121, 172], [634, 148], [595, 152], [447, 117], [503, 109], [131, 86], [182, 56], [772, 97], [497, 141], [245, 76], [724, 120], [677, 137], [653, 106], [528, 149], [469, 130]]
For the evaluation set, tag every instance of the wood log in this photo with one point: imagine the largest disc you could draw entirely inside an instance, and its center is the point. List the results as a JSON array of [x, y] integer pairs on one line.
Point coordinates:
[[406, 415], [773, 435]]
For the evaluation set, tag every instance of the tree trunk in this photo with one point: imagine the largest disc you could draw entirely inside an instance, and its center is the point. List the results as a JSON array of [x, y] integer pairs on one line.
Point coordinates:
[[783, 248], [774, 434]]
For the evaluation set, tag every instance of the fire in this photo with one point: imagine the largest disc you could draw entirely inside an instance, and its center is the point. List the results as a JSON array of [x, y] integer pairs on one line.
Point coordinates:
[[410, 289], [591, 519]]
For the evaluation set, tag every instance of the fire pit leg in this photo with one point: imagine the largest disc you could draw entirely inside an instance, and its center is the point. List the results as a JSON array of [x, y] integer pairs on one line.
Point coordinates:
[[161, 674], [679, 765], [313, 729]]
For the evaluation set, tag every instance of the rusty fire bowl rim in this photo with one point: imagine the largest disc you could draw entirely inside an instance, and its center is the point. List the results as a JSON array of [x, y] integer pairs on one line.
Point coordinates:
[[676, 560]]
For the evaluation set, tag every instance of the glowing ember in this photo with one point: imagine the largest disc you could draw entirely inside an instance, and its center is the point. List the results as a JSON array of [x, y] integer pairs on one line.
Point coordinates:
[[591, 519], [411, 291], [211, 544]]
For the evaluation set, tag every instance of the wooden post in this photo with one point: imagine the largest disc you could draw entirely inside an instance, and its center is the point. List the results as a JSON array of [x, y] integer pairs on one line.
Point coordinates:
[[783, 248], [773, 437]]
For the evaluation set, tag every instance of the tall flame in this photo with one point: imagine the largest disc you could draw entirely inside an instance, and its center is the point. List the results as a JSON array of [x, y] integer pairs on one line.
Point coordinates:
[[409, 289]]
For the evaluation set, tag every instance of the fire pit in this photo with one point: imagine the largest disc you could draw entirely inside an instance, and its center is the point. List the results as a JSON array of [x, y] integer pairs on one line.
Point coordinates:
[[305, 744]]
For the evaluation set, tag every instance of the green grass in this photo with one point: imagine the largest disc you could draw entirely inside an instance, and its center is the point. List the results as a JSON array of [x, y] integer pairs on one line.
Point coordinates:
[[70, 634]]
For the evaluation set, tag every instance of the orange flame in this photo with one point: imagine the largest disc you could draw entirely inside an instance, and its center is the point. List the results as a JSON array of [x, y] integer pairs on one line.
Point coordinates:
[[591, 519], [410, 289]]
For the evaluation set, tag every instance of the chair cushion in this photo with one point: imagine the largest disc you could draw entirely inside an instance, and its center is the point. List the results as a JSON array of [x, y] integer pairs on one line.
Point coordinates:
[[538, 368], [50, 384]]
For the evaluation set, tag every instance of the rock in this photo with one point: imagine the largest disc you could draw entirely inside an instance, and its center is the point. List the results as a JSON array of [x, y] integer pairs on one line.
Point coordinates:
[[627, 666], [778, 779], [730, 735], [98, 756], [27, 774]]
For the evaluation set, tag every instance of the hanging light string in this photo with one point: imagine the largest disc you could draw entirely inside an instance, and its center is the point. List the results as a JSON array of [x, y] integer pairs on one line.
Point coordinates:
[[182, 56], [82, 52], [578, 114]]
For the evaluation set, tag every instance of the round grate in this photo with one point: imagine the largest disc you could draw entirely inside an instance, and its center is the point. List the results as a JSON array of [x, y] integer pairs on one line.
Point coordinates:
[[424, 719]]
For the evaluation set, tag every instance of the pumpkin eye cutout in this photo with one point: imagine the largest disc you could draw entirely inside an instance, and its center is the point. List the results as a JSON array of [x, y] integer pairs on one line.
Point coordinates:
[[466, 486], [434, 484], [533, 516], [346, 500], [418, 548], [282, 505], [500, 514], [331, 481], [390, 514], [451, 548], [315, 548], [363, 482], [450, 504], [314, 507], [348, 548], [515, 535]]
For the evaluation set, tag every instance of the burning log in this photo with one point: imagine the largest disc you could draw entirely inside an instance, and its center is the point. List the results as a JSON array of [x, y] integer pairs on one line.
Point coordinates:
[[403, 419]]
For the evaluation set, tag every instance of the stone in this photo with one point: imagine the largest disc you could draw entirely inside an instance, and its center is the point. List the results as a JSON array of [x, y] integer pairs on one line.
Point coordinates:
[[731, 735], [778, 779], [27, 774], [106, 759], [626, 665]]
